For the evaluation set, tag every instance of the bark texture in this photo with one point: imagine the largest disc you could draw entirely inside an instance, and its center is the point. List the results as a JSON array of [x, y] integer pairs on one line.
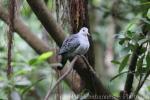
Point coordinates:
[[39, 7]]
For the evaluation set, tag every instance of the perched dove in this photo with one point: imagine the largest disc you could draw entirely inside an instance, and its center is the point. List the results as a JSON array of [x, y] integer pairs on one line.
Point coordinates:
[[76, 44]]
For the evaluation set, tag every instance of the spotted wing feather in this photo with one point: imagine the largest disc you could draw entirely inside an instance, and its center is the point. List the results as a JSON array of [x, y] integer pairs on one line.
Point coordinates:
[[69, 45]]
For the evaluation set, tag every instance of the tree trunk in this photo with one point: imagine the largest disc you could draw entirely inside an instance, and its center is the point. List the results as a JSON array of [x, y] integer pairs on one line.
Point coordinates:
[[79, 18]]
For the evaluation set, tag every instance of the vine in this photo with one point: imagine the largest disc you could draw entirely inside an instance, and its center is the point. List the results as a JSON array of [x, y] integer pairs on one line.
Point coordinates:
[[10, 37]]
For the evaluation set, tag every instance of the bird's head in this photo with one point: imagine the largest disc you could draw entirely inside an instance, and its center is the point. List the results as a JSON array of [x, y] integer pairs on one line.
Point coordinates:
[[84, 31]]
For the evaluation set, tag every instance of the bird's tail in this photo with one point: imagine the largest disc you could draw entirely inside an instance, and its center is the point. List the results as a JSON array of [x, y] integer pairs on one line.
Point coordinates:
[[63, 62]]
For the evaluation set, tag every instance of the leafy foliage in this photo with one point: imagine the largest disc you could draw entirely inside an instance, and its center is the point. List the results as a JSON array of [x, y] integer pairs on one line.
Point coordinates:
[[124, 62], [43, 57], [131, 23]]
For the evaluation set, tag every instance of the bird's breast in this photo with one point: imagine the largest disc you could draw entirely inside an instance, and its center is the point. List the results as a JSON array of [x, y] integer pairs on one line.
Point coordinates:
[[84, 46]]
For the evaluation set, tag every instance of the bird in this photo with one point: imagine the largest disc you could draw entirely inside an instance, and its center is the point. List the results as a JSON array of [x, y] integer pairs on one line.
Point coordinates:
[[76, 44]]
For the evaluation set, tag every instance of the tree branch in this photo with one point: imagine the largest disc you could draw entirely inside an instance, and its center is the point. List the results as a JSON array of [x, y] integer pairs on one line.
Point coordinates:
[[41, 11], [140, 85], [130, 76], [47, 20], [61, 78], [38, 45]]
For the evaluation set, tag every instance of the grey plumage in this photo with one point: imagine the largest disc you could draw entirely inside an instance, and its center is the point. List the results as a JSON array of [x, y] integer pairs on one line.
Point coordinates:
[[76, 44], [69, 45]]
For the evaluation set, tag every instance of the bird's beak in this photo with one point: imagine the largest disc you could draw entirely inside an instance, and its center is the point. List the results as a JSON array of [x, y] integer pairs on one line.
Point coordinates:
[[88, 34]]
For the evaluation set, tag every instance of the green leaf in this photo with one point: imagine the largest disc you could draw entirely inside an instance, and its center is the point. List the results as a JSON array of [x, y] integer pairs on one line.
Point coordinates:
[[2, 49], [115, 62], [142, 50], [23, 71], [148, 59], [121, 42], [139, 66], [43, 57], [118, 75], [142, 41], [148, 88], [33, 84], [124, 62], [33, 61], [131, 46], [130, 34], [148, 13]]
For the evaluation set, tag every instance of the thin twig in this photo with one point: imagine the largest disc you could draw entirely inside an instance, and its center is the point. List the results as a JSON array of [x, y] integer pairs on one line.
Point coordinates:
[[87, 63], [140, 85], [61, 78], [58, 94], [10, 36]]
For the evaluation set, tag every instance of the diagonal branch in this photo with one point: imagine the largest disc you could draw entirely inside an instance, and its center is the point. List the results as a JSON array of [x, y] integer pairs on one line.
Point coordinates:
[[38, 45], [61, 78], [95, 86], [47, 20]]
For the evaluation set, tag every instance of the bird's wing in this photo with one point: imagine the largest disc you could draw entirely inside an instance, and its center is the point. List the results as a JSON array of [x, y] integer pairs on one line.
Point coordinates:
[[69, 45]]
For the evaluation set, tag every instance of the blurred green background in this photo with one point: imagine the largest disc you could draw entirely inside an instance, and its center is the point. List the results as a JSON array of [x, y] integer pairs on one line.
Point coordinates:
[[110, 20]]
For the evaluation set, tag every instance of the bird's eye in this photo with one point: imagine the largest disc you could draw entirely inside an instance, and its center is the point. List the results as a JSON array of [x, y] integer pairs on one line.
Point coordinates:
[[83, 30]]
